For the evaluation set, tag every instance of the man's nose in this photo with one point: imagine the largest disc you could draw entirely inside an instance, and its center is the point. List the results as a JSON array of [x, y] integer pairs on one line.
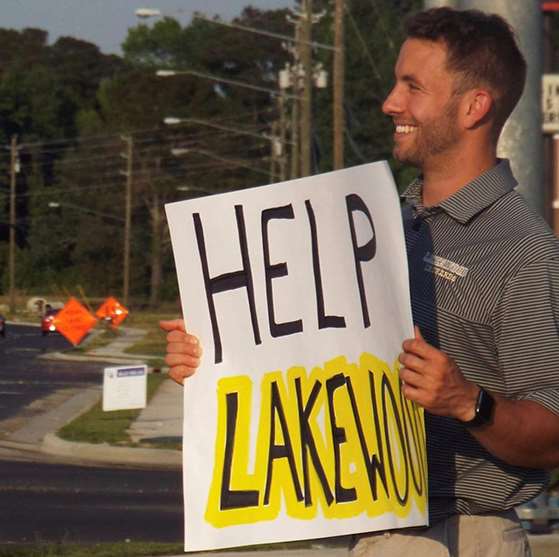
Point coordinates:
[[393, 103]]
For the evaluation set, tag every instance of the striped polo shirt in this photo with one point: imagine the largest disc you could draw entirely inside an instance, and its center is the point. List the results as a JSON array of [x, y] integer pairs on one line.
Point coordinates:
[[484, 279]]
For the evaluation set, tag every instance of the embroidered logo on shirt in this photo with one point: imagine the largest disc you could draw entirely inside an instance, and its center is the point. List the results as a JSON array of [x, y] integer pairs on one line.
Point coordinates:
[[443, 268]]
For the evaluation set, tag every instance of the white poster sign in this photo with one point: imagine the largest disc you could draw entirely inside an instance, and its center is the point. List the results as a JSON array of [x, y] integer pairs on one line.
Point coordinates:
[[550, 103], [295, 426], [125, 387]]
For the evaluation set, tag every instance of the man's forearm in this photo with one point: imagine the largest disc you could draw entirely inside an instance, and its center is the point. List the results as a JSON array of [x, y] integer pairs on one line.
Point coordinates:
[[522, 433]]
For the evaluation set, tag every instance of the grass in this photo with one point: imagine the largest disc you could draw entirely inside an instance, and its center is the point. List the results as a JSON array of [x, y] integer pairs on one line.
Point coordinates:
[[141, 549], [154, 342], [96, 426], [63, 549], [98, 340]]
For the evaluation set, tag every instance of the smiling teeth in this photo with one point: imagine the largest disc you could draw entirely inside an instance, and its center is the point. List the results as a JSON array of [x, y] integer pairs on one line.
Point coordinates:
[[405, 129]]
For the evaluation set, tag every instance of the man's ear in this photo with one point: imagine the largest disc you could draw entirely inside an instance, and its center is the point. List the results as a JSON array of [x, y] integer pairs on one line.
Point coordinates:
[[478, 107]]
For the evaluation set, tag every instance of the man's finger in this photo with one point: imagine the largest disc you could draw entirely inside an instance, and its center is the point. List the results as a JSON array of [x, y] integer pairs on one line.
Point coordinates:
[[173, 325], [173, 360], [416, 346], [411, 361], [179, 373], [178, 336]]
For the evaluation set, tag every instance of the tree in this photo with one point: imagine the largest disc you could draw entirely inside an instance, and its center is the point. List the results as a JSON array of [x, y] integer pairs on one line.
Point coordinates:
[[373, 35]]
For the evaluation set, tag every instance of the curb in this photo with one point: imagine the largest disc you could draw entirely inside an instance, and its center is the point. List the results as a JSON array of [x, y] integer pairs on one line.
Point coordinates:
[[39, 435], [103, 453], [99, 453], [320, 549], [101, 358]]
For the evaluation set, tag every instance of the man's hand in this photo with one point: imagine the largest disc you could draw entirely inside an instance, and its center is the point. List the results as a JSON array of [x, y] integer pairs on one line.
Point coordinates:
[[183, 350], [432, 380]]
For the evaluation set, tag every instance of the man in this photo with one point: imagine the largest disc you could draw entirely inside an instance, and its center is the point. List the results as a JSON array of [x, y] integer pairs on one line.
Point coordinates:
[[484, 277]]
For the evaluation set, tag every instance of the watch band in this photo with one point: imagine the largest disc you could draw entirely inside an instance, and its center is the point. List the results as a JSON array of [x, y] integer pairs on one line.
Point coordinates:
[[485, 404]]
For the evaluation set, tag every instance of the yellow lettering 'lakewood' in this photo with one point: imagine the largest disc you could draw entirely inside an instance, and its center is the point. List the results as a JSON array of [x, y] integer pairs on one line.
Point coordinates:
[[340, 440]]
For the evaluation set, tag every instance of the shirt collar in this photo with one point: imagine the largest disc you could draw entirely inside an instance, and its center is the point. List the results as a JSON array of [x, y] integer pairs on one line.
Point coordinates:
[[472, 198]]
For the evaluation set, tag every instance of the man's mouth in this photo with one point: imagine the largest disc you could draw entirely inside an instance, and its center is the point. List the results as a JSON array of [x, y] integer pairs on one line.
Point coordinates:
[[405, 129]]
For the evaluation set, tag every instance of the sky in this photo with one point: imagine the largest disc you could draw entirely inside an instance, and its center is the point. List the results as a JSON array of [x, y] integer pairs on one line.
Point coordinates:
[[106, 22]]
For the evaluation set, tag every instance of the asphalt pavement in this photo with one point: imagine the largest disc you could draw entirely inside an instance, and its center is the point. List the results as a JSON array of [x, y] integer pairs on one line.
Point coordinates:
[[160, 420]]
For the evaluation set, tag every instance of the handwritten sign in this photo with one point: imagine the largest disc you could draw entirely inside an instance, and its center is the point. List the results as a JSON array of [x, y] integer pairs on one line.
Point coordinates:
[[295, 425]]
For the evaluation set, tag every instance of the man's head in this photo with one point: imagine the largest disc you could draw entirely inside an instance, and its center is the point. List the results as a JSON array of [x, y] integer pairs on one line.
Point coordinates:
[[481, 52], [457, 72]]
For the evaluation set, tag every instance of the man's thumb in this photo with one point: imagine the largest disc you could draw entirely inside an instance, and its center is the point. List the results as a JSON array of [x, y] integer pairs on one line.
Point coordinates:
[[173, 325]]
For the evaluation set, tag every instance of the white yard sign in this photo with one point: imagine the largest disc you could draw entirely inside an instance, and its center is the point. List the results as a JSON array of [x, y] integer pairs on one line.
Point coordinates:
[[125, 387], [295, 426], [550, 103]]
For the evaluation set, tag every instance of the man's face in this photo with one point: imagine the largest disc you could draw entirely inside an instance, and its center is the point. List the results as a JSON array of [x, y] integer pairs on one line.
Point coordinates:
[[422, 104]]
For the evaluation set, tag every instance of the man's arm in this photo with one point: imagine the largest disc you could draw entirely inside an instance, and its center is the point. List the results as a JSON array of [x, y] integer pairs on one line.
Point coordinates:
[[183, 350], [522, 432]]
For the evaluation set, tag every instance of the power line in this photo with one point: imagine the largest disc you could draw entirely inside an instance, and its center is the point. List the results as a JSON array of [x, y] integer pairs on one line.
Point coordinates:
[[366, 50]]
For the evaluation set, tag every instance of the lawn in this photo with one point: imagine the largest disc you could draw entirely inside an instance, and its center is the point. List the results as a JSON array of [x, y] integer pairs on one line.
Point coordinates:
[[96, 426], [131, 549]]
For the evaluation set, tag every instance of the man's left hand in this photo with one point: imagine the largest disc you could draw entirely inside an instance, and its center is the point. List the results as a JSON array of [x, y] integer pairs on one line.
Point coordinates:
[[433, 380]]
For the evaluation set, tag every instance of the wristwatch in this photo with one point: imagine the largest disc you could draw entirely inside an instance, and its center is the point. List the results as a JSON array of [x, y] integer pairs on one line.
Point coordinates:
[[485, 405]]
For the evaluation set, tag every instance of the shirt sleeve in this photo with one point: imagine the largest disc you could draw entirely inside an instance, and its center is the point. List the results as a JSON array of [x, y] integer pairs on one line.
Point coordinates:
[[525, 323]]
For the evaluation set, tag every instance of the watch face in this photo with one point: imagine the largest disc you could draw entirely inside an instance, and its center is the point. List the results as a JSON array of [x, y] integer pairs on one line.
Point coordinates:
[[484, 410], [485, 406]]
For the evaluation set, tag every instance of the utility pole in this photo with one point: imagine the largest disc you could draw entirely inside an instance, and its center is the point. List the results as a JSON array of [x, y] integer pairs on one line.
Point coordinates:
[[339, 79], [127, 217], [274, 155], [294, 79], [306, 100], [282, 136], [12, 256]]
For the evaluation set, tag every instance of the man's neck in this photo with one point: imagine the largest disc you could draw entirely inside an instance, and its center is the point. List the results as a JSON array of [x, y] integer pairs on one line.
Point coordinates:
[[441, 179]]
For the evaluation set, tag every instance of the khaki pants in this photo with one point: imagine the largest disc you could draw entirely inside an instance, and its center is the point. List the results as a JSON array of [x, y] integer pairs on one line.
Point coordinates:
[[458, 536]]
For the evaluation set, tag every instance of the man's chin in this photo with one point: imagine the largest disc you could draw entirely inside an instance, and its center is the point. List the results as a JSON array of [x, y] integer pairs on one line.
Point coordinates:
[[405, 158]]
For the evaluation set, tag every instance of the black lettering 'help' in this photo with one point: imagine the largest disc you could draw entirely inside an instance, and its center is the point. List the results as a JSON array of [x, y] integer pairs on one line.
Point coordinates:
[[362, 253], [227, 281], [275, 271], [324, 321]]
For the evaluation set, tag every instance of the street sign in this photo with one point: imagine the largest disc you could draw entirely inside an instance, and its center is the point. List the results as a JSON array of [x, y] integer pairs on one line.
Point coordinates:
[[74, 321], [124, 388], [113, 311], [550, 103]]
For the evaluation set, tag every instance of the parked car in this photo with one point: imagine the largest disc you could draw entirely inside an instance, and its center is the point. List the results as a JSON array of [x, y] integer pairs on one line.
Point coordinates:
[[2, 326], [47, 321]]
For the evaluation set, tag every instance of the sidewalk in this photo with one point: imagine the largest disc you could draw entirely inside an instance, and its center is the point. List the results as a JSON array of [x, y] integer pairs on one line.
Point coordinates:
[[160, 420]]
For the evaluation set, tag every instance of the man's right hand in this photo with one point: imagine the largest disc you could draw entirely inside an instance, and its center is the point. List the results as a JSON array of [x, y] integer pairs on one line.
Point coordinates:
[[183, 350]]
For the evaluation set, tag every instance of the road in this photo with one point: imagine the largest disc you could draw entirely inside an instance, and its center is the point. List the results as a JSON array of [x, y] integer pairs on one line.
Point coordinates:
[[24, 379], [41, 499], [53, 502]]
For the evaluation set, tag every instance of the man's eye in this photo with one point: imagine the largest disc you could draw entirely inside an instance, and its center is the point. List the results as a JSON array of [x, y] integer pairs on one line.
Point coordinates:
[[414, 87]]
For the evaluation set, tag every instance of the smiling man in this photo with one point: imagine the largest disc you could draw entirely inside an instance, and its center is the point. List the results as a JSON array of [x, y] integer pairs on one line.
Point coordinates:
[[484, 279]]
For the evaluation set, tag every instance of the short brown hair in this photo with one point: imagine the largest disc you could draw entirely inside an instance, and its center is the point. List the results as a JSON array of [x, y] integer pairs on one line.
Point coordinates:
[[482, 50]]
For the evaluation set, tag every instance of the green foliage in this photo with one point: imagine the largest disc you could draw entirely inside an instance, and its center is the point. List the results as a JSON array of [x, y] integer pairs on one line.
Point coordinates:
[[373, 35], [64, 549], [70, 106]]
